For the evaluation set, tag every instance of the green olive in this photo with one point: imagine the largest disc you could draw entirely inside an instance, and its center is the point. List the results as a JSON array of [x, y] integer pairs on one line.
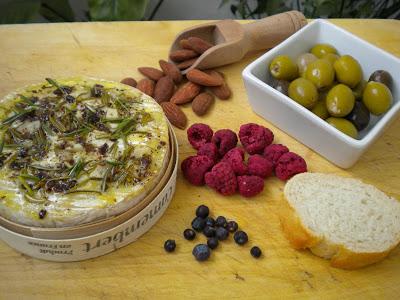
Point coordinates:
[[359, 89], [340, 100], [303, 92], [359, 116], [348, 70], [377, 97], [331, 57], [320, 50], [344, 126], [283, 67], [320, 110], [321, 73], [280, 85], [303, 60], [382, 77]]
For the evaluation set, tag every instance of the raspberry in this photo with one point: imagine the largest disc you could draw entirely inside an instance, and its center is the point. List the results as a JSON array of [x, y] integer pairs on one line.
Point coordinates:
[[222, 179], [274, 152], [255, 138], [194, 168], [210, 150], [250, 186], [290, 164], [199, 134], [225, 140], [235, 158], [259, 166]]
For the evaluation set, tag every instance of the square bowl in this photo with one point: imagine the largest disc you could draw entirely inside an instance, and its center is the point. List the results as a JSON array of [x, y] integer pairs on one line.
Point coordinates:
[[301, 123]]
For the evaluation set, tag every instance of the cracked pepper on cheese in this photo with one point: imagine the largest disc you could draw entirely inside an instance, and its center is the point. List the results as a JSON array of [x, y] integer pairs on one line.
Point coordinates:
[[77, 150]]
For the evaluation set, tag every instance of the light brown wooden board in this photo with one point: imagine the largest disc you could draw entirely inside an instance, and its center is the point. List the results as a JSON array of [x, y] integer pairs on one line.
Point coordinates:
[[143, 269]]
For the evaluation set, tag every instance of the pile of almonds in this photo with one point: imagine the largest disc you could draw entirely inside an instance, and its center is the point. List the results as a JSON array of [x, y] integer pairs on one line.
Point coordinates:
[[170, 88]]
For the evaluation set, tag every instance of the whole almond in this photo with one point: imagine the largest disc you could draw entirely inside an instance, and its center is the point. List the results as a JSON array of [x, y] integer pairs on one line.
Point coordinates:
[[151, 73], [186, 93], [198, 45], [182, 54], [202, 103], [174, 114], [184, 43], [203, 78], [186, 64], [146, 86], [164, 89], [215, 74], [222, 92], [170, 70], [129, 81]]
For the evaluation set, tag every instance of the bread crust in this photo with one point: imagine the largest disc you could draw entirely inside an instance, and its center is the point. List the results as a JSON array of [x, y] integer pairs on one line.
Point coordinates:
[[300, 237]]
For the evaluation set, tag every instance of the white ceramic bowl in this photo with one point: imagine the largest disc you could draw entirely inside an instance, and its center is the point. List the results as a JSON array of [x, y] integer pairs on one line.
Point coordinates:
[[301, 123]]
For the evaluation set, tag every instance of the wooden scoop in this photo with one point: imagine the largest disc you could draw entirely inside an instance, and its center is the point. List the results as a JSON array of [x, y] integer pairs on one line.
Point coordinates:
[[233, 40]]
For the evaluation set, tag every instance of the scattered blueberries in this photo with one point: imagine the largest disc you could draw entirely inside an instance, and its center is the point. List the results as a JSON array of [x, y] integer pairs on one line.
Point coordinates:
[[215, 230], [201, 252], [189, 234], [212, 243], [221, 233], [240, 237], [221, 222], [198, 224], [255, 252], [209, 231], [202, 211], [232, 226], [210, 222], [169, 245]]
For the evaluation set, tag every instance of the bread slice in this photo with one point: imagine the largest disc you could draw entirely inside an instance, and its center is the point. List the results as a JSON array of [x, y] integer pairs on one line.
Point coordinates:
[[342, 219]]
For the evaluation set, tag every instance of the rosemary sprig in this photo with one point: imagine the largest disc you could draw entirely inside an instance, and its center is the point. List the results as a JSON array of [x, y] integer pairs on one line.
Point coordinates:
[[17, 115], [124, 128], [34, 199], [60, 127], [104, 180], [30, 177], [84, 130], [115, 163], [77, 168], [82, 191], [25, 185], [55, 84], [44, 168], [2, 142]]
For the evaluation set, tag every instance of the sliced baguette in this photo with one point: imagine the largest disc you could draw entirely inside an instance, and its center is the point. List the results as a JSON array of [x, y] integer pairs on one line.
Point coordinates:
[[342, 219]]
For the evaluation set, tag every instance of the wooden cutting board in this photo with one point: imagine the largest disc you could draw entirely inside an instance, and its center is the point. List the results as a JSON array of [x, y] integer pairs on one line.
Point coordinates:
[[29, 53]]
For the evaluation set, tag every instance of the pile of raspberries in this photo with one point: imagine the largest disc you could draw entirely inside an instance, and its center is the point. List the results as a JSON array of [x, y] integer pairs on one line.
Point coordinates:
[[220, 164]]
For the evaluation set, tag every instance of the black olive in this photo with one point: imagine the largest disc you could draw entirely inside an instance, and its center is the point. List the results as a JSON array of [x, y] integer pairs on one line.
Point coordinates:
[[70, 99], [382, 77], [359, 116], [97, 90], [103, 149]]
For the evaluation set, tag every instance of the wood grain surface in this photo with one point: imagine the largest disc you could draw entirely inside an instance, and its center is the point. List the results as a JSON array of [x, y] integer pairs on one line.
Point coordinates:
[[29, 53]]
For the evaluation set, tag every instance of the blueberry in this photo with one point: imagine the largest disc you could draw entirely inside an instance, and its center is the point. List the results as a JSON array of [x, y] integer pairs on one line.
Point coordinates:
[[212, 243], [209, 231], [210, 222], [240, 237], [201, 252], [169, 245], [221, 222], [189, 234], [255, 252], [232, 226], [221, 233], [202, 211], [198, 224]]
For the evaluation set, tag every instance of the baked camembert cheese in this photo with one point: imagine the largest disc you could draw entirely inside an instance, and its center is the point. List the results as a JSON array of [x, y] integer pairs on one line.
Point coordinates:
[[77, 150]]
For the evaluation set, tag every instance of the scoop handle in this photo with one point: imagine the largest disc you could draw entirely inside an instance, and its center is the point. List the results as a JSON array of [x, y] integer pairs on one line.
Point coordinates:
[[270, 31]]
